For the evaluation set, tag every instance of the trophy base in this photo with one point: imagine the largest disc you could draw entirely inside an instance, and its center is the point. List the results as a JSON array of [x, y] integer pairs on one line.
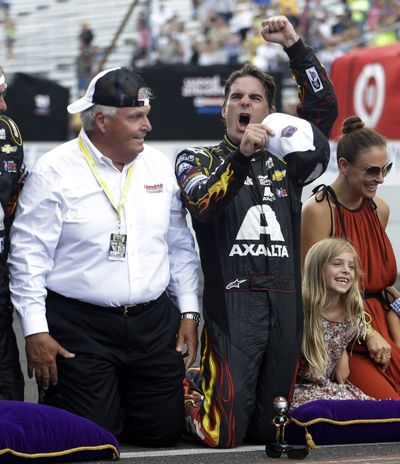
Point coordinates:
[[275, 450]]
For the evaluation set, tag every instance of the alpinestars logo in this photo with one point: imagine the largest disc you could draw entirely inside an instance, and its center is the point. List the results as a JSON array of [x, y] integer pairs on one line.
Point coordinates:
[[260, 220], [235, 284]]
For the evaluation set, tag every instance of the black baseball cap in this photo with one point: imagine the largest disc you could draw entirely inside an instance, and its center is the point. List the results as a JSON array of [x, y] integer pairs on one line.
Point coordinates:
[[117, 87]]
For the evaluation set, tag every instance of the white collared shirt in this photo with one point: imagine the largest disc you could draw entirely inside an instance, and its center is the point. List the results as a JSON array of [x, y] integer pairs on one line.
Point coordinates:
[[60, 238]]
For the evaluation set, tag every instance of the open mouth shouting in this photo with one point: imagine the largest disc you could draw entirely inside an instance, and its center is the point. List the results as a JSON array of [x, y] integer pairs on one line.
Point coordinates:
[[244, 119]]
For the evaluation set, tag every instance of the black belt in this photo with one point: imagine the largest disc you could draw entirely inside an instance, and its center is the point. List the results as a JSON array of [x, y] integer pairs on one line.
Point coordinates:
[[282, 284], [125, 309]]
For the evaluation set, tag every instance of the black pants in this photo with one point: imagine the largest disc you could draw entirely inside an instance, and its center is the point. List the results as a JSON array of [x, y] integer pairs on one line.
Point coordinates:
[[11, 377], [127, 375], [250, 350]]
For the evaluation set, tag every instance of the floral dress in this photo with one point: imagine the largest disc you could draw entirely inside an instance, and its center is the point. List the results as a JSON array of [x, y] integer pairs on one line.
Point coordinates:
[[309, 388]]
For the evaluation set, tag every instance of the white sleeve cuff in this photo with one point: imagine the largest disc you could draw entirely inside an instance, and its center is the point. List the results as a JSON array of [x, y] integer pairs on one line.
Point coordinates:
[[188, 303], [34, 323]]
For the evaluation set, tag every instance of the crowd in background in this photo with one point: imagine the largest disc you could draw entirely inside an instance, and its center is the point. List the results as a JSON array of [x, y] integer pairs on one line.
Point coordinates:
[[86, 58], [9, 27], [228, 31]]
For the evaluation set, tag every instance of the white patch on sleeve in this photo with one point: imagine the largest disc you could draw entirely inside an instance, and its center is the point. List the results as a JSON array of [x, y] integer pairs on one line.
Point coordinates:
[[314, 79]]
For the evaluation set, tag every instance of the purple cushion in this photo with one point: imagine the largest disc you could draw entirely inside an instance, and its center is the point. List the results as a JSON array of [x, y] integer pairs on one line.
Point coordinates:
[[333, 422], [42, 434]]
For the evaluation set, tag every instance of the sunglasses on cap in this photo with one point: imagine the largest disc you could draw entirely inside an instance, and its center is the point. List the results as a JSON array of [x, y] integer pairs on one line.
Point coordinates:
[[373, 172], [275, 450]]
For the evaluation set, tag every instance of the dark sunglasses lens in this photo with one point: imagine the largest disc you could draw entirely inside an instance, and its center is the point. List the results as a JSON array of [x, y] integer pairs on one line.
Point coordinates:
[[373, 172], [274, 451], [297, 452]]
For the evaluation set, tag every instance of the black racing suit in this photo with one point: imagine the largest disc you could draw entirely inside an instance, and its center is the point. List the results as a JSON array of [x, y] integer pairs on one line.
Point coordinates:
[[246, 215], [12, 175]]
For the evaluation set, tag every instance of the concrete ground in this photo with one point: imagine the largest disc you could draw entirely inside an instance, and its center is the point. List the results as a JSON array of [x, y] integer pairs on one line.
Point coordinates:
[[186, 452]]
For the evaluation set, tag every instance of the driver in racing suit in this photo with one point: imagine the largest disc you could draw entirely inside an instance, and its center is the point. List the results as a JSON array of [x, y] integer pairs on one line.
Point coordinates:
[[12, 177], [245, 205]]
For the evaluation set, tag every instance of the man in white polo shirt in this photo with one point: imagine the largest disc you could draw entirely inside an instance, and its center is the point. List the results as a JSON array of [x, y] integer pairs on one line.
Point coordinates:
[[104, 274]]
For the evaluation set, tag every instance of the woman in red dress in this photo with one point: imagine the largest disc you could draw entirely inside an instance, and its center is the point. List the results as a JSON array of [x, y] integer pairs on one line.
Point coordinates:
[[349, 208]]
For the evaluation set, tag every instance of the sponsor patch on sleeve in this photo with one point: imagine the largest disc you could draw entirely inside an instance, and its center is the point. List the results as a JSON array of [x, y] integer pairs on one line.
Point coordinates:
[[314, 79], [193, 182], [10, 166]]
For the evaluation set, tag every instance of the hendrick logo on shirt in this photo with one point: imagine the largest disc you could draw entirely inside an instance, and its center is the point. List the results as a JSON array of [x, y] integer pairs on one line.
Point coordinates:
[[155, 188]]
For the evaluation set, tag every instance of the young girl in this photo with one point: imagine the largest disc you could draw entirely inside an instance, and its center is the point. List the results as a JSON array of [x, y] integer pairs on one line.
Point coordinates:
[[333, 317]]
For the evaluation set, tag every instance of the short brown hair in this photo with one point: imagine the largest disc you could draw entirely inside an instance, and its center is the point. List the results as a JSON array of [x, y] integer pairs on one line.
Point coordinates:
[[266, 80]]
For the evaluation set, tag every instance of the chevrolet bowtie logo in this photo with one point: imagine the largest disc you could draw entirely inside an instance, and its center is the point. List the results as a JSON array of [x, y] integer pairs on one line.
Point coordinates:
[[8, 149], [235, 284]]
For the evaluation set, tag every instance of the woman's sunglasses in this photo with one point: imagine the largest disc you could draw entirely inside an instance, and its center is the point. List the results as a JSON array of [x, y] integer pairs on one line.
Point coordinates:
[[373, 172]]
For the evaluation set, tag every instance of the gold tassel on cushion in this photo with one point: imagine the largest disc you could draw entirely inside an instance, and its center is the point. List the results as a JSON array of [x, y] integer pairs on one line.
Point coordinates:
[[310, 441]]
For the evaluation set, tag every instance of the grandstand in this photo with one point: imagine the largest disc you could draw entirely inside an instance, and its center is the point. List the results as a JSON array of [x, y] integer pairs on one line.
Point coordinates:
[[47, 43], [47, 34]]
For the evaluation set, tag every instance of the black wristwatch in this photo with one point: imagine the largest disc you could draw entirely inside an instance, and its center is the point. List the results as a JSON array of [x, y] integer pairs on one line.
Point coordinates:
[[193, 316]]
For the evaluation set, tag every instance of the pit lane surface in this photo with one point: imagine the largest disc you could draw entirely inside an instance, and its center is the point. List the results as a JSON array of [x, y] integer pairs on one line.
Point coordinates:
[[187, 452]]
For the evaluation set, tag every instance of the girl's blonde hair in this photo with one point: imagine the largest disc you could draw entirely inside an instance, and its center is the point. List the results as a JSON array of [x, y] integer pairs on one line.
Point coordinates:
[[314, 299]]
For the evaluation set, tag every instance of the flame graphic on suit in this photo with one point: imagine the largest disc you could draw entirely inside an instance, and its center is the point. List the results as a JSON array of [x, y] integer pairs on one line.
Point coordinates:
[[215, 193], [207, 417]]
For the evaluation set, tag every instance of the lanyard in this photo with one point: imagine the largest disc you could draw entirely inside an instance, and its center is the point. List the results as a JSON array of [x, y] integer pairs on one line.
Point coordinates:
[[89, 158]]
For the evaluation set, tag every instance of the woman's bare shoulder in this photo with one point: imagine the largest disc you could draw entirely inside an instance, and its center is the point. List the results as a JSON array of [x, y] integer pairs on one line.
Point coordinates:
[[383, 210]]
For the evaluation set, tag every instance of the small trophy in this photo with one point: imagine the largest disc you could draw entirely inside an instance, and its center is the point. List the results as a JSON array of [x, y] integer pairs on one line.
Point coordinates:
[[280, 421]]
